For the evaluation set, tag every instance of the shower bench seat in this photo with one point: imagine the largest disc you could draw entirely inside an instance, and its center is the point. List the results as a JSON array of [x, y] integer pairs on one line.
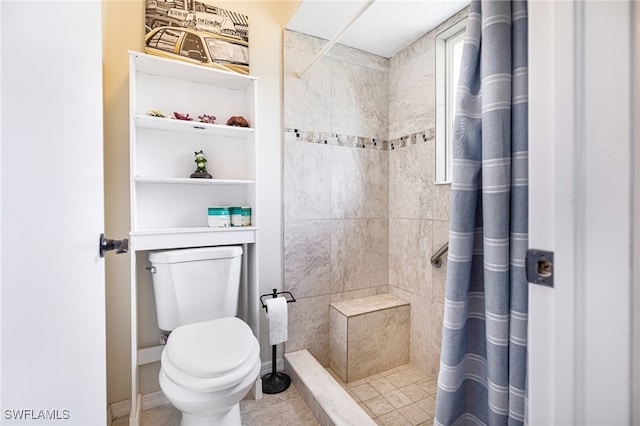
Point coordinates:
[[368, 335]]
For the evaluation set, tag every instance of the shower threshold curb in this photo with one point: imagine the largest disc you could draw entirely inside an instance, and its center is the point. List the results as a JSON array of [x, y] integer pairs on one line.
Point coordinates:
[[329, 402]]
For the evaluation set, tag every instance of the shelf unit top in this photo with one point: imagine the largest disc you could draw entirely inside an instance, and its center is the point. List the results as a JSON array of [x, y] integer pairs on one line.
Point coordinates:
[[181, 70]]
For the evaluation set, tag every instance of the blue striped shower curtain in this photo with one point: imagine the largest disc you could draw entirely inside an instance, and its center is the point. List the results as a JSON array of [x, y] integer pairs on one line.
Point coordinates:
[[482, 377]]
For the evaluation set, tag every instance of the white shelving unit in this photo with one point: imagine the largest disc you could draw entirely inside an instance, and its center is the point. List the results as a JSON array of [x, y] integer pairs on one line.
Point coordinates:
[[168, 208]]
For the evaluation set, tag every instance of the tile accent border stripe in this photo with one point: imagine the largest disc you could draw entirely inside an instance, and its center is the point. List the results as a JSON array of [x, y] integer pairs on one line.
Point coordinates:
[[413, 139], [327, 138]]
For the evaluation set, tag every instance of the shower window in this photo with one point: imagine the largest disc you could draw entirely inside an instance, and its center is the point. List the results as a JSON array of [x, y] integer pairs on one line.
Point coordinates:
[[448, 57]]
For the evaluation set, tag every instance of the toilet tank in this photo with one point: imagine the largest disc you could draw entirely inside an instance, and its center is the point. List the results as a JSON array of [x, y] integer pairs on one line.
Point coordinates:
[[196, 284]]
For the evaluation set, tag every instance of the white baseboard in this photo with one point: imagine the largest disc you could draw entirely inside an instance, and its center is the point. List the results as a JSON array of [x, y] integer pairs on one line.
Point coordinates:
[[150, 400]]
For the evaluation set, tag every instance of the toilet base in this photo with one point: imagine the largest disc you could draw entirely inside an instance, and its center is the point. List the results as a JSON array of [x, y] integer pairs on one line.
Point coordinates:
[[227, 418]]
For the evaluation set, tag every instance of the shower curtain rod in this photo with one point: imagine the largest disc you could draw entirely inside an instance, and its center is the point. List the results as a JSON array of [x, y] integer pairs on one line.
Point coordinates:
[[336, 37]]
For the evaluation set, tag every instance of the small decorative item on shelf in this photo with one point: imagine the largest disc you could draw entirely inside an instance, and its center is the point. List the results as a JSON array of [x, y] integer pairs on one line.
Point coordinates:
[[155, 113], [201, 170], [238, 121], [181, 116], [205, 118]]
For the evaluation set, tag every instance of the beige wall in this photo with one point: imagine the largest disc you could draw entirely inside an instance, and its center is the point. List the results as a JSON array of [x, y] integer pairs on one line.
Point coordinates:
[[123, 27]]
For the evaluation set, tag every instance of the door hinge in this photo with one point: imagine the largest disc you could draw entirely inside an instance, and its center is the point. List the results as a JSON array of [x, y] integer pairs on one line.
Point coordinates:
[[539, 265]]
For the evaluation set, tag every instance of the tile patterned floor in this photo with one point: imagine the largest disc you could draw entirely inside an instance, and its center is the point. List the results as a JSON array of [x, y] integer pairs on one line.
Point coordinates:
[[286, 409], [402, 396], [283, 409]]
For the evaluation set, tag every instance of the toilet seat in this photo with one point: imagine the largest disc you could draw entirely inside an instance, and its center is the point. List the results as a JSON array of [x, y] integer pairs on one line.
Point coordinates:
[[210, 355]]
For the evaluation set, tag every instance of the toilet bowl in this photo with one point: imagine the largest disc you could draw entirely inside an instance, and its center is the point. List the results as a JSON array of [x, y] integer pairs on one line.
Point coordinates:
[[211, 358], [207, 368]]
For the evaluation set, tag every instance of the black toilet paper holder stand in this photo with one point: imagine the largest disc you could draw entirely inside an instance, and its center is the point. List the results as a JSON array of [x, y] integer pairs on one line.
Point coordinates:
[[275, 382]]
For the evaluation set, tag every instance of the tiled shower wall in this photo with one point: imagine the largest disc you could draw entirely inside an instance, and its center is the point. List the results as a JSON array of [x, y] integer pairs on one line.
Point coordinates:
[[336, 174], [418, 208], [362, 213]]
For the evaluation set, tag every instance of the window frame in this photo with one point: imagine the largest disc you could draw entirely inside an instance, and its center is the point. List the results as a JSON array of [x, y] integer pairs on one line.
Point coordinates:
[[445, 98]]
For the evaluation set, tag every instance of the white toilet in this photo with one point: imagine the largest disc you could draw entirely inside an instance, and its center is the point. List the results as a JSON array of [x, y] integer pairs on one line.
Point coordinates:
[[211, 358]]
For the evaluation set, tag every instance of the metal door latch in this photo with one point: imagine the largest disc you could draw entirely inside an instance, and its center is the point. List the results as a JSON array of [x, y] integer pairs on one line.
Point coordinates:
[[120, 246], [539, 264]]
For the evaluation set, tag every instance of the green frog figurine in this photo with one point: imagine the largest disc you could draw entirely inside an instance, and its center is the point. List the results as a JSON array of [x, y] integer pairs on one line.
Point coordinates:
[[201, 170]]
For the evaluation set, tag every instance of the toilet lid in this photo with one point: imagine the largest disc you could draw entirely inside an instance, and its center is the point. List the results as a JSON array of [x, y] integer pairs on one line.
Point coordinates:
[[210, 348]]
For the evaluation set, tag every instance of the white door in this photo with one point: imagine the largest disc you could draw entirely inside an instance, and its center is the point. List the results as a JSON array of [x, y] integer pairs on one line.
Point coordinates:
[[53, 361], [580, 208]]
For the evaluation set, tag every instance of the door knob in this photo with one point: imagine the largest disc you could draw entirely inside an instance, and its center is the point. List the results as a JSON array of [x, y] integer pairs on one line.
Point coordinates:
[[120, 246]]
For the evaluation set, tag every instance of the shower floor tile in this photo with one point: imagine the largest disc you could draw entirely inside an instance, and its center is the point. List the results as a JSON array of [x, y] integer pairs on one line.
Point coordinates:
[[403, 396]]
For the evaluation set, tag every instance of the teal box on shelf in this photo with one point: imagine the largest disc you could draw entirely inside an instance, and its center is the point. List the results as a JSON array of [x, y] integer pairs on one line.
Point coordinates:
[[240, 216], [219, 217]]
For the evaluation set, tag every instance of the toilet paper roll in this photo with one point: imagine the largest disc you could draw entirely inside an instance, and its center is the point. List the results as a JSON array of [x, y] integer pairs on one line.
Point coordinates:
[[277, 315]]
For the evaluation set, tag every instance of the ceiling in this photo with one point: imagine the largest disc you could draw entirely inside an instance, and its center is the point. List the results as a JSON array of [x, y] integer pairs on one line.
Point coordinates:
[[385, 28]]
